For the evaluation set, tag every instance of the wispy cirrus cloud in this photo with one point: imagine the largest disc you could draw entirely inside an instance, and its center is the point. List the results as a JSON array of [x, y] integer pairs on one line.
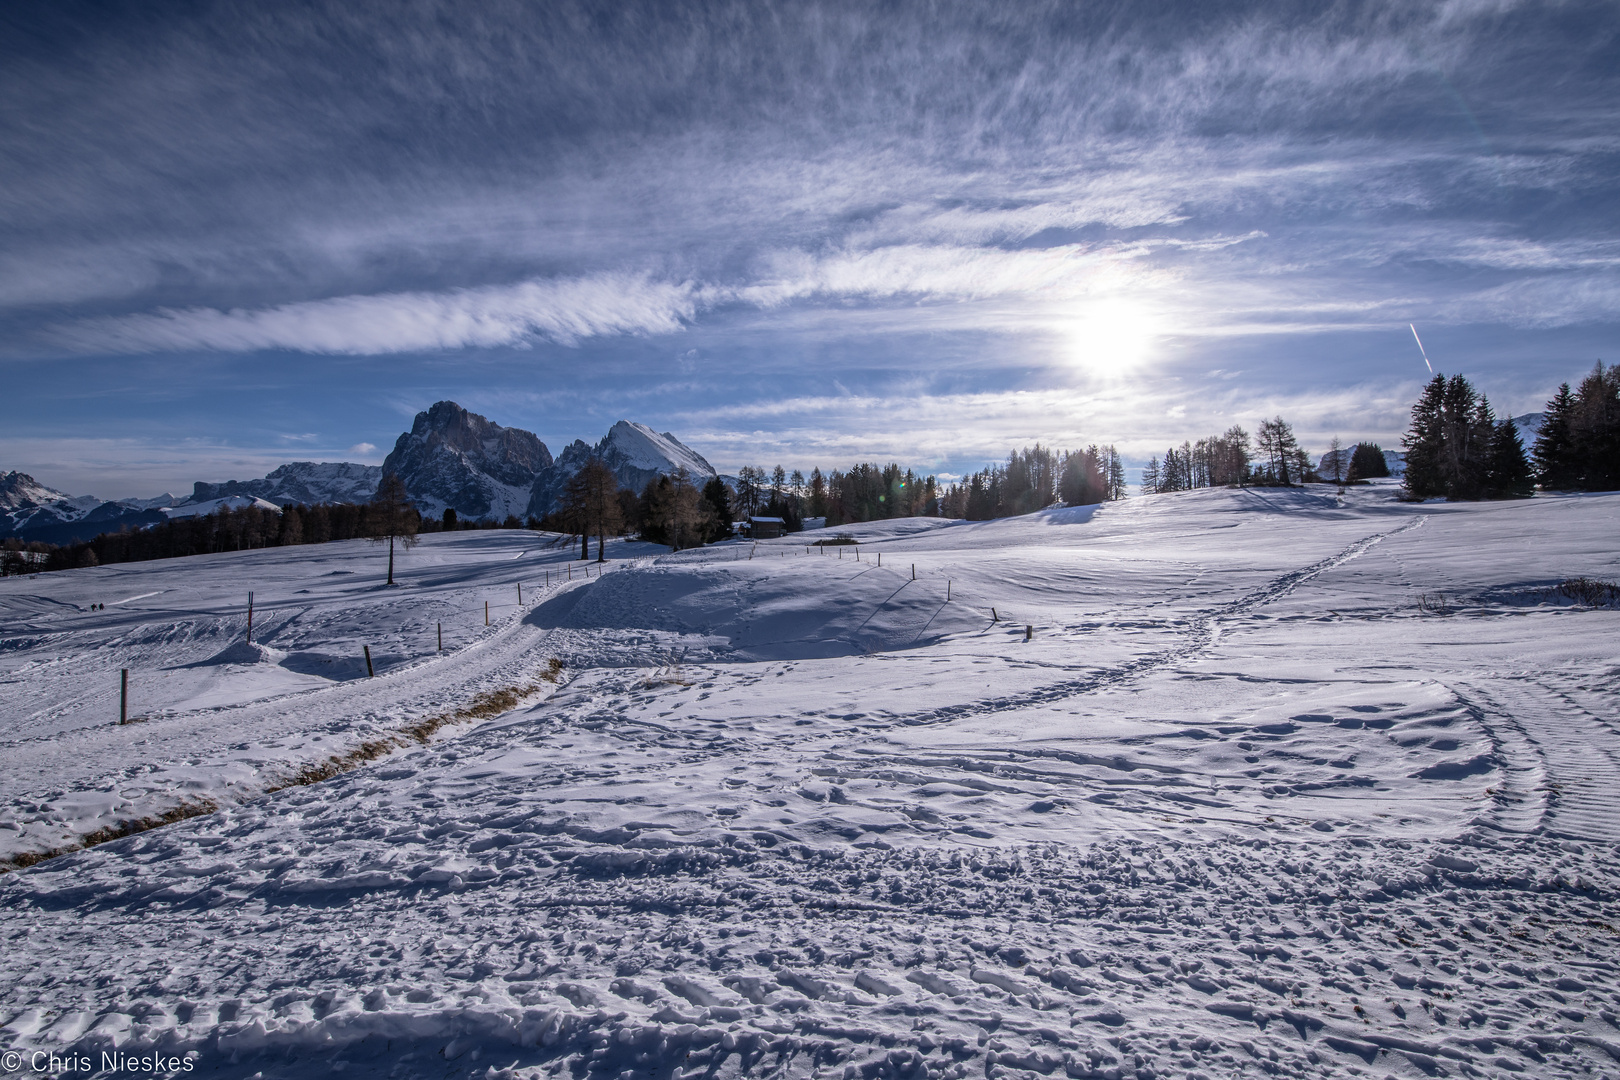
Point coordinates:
[[563, 310]]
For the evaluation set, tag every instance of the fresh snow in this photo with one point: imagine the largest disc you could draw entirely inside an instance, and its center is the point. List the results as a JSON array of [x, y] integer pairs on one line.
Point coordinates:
[[204, 507], [1284, 782], [639, 446]]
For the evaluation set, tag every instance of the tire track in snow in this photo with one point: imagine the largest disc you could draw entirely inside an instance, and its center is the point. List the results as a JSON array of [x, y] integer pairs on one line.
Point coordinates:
[[1578, 755], [1203, 632]]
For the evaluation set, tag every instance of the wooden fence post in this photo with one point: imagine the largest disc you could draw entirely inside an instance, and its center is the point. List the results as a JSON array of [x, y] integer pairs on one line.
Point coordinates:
[[123, 696], [486, 612], [520, 594], [371, 672], [1029, 632], [441, 637], [250, 617]]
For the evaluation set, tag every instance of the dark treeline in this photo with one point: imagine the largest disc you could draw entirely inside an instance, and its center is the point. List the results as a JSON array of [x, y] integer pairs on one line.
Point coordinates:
[[1456, 448], [1035, 478], [1273, 457], [1578, 448], [226, 529]]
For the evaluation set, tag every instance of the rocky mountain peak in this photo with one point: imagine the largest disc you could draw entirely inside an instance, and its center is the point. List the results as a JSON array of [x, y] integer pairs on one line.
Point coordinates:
[[455, 458]]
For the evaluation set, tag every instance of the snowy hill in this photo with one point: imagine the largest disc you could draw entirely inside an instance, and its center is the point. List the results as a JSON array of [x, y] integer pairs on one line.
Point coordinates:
[[1529, 426], [1220, 783], [455, 458], [636, 454], [1395, 460], [202, 507], [306, 482]]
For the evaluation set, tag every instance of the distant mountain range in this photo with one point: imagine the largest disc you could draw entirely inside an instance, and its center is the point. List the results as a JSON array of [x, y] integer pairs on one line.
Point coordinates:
[[455, 458], [450, 458]]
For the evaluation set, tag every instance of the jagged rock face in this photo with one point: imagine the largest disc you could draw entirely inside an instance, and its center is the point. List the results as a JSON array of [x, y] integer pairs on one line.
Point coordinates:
[[455, 458], [306, 482], [31, 511], [18, 489], [636, 454]]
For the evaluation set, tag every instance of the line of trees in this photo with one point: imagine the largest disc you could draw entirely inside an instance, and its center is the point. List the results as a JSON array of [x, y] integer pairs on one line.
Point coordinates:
[[1456, 448], [1578, 447], [1034, 478], [1275, 457], [389, 518]]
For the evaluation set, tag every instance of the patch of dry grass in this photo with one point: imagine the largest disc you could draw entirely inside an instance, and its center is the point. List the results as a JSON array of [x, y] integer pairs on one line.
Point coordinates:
[[483, 706], [115, 831]]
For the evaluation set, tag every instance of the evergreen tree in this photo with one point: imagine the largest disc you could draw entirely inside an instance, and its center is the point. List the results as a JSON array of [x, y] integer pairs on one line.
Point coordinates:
[[818, 493], [1554, 452], [1367, 462], [1425, 442], [717, 500], [1508, 475], [1467, 428], [1595, 429], [1150, 477]]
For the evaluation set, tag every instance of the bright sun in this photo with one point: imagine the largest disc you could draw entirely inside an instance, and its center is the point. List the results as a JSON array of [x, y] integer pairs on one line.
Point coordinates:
[[1111, 335]]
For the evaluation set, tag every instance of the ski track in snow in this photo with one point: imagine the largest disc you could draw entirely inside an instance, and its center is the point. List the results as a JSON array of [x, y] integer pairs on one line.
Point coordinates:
[[1239, 809]]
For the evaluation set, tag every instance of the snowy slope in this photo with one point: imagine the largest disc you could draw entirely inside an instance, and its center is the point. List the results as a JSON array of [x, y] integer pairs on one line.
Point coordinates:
[[202, 507], [1282, 783]]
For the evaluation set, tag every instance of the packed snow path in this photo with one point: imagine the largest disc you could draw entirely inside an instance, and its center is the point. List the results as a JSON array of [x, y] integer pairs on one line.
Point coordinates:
[[1281, 785]]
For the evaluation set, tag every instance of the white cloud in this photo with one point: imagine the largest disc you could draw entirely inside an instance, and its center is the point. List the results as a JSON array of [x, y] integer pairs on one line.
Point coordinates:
[[363, 449], [562, 310]]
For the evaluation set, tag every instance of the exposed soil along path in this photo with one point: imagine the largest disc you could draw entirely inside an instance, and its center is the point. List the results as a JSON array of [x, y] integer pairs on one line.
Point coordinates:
[[1242, 807]]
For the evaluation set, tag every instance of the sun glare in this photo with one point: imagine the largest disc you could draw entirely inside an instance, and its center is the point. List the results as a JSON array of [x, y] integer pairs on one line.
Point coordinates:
[[1111, 335]]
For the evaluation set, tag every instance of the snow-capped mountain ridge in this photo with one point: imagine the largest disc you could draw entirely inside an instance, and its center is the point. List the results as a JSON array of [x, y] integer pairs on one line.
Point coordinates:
[[18, 489], [306, 482], [32, 511], [636, 454]]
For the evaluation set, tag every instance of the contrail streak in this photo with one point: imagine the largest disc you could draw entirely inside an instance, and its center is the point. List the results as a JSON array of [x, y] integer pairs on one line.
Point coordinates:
[[1422, 350]]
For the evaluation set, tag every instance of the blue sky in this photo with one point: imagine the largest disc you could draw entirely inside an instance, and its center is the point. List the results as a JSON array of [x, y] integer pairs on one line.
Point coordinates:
[[233, 235]]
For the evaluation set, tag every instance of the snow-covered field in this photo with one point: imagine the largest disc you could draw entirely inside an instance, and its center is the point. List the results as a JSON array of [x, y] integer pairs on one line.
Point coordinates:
[[1280, 783]]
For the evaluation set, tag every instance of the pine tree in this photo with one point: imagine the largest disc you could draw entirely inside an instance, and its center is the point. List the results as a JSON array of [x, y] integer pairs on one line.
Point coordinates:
[[1554, 451], [1150, 477], [1595, 429], [1508, 475], [818, 494], [1367, 462], [1425, 443], [717, 500]]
